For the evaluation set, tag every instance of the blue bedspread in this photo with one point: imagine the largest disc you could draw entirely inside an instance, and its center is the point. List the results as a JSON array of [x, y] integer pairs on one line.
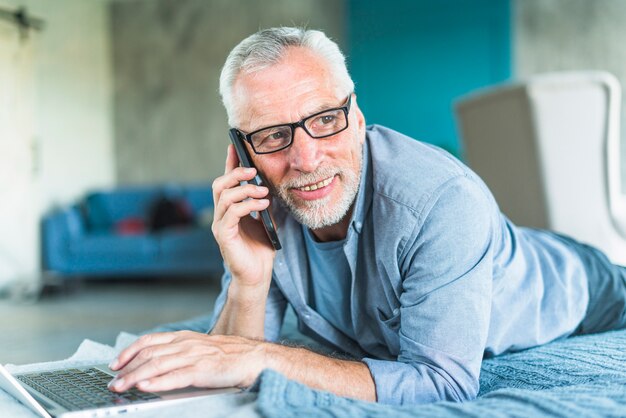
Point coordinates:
[[577, 377]]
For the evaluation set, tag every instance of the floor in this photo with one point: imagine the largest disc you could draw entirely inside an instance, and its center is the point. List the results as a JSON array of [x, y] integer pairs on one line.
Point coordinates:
[[52, 326]]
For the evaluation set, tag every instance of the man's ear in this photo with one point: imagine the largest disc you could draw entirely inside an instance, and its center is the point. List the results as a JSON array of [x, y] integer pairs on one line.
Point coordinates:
[[359, 118]]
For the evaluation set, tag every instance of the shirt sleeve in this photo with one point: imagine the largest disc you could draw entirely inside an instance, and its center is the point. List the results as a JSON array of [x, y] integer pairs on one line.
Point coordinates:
[[446, 270], [275, 308]]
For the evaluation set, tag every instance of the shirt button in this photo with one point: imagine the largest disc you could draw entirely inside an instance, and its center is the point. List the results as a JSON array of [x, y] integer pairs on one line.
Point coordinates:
[[307, 316]]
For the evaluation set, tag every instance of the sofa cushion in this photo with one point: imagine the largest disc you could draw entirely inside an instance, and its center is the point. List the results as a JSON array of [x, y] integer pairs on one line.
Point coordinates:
[[114, 248], [199, 197], [182, 243], [96, 215], [105, 209], [167, 212]]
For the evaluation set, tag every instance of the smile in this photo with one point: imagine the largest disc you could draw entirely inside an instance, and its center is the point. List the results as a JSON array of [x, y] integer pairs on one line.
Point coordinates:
[[318, 185]]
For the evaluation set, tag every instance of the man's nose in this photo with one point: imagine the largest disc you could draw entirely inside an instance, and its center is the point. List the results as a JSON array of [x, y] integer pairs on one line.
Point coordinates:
[[305, 152]]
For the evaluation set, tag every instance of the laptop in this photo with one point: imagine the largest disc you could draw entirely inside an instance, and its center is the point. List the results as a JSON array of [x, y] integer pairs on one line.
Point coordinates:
[[82, 392]]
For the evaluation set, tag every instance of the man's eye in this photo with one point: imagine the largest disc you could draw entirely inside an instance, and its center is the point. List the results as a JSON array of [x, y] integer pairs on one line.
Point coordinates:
[[275, 136], [278, 135], [326, 119]]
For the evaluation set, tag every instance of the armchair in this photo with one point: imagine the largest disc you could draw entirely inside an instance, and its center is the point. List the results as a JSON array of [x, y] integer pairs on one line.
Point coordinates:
[[549, 149]]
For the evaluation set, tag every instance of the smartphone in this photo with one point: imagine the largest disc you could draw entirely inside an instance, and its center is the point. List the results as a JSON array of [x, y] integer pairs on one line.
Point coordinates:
[[246, 161]]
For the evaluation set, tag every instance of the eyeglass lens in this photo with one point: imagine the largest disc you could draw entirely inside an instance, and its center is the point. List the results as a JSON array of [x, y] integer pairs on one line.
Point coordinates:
[[317, 126]]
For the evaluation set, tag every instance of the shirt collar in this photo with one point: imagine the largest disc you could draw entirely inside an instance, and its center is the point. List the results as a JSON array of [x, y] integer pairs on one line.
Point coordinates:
[[364, 196]]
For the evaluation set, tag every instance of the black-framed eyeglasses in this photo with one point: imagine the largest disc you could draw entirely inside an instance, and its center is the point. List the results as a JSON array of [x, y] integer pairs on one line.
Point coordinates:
[[319, 125]]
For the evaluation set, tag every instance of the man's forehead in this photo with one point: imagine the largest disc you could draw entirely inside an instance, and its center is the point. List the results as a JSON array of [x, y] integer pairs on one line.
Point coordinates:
[[264, 99], [257, 112]]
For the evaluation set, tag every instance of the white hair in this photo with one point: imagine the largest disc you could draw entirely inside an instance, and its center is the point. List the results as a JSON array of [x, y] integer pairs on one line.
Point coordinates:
[[266, 47]]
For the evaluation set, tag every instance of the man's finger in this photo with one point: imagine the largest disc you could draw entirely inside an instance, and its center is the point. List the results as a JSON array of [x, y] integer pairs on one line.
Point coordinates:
[[238, 194], [177, 379], [158, 366], [232, 160], [239, 210], [143, 342], [230, 180], [149, 354]]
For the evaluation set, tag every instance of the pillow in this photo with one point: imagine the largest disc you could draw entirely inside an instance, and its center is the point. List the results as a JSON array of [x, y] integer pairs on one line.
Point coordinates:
[[166, 212]]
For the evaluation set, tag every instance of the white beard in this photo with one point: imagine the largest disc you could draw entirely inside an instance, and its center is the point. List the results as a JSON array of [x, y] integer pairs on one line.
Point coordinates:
[[319, 213]]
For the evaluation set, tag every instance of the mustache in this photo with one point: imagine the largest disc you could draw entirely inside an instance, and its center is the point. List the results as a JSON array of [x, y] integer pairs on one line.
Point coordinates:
[[305, 179]]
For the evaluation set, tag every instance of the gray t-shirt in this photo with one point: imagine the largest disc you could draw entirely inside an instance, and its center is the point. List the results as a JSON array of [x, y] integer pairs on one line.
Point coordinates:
[[330, 277]]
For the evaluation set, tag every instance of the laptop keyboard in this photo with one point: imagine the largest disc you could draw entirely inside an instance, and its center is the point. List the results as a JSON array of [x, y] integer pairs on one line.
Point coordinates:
[[77, 389]]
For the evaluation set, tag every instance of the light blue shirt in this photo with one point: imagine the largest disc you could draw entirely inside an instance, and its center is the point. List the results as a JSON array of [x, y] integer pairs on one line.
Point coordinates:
[[438, 276], [330, 276]]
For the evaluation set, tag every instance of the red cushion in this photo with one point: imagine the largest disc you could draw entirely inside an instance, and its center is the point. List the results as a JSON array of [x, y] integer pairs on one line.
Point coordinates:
[[130, 226]]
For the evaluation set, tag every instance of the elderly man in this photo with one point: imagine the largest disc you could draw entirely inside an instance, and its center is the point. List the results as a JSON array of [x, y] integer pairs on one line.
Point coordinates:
[[394, 253]]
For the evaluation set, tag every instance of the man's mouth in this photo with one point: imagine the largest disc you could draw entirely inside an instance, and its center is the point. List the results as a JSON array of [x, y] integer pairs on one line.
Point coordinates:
[[315, 186]]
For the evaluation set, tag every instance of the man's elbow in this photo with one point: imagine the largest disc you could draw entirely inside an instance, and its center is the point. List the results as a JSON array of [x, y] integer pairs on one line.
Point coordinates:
[[460, 388], [412, 383]]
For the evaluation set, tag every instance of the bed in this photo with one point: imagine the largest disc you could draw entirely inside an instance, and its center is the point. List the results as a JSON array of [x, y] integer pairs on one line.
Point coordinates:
[[583, 376]]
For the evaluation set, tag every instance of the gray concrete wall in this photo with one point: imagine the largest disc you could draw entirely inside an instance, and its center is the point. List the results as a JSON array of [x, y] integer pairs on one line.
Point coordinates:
[[554, 35], [167, 54]]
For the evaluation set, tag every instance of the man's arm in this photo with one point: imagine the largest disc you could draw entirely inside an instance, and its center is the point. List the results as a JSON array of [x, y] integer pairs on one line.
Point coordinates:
[[347, 378], [248, 255], [445, 304], [243, 312], [169, 361], [273, 315]]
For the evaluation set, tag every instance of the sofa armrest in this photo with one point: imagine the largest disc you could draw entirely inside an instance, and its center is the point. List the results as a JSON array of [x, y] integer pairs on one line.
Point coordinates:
[[59, 229]]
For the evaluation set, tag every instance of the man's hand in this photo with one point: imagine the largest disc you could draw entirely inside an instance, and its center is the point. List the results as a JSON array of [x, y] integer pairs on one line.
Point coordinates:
[[173, 360], [244, 245]]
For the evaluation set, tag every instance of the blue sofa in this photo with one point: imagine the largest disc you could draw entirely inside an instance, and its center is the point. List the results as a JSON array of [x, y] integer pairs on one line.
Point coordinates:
[[85, 239]]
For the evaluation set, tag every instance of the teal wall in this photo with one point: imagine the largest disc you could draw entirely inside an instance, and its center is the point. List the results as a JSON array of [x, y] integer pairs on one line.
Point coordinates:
[[411, 58]]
